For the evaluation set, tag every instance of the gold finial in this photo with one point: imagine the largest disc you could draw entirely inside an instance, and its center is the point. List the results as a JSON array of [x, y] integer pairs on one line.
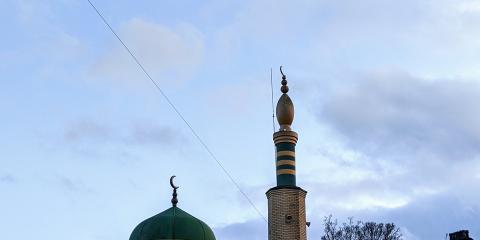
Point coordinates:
[[285, 110], [284, 88]]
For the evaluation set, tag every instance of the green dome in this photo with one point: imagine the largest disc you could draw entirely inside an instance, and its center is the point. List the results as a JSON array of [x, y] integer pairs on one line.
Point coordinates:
[[173, 223]]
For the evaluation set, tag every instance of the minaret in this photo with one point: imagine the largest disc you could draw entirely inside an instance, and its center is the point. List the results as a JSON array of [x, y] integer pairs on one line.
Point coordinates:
[[286, 201]]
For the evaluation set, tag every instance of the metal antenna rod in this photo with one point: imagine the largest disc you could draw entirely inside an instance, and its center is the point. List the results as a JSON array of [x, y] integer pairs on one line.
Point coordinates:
[[273, 108]]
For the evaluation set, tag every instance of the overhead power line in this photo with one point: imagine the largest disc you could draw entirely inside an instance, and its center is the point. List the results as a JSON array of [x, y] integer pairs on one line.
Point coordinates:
[[179, 114]]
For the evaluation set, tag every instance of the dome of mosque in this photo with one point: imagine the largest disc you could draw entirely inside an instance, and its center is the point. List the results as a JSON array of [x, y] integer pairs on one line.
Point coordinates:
[[173, 223]]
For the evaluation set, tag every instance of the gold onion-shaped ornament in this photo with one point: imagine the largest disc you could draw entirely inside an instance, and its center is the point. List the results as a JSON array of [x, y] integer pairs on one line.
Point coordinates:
[[285, 112]]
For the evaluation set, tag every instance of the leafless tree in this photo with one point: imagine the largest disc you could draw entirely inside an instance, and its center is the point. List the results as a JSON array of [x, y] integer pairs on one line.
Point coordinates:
[[351, 230]]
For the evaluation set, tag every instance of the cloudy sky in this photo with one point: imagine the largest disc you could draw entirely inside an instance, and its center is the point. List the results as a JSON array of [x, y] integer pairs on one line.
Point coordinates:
[[386, 96]]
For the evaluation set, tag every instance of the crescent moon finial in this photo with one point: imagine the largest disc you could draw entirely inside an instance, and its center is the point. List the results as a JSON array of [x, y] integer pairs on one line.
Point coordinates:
[[171, 182], [174, 194], [284, 87]]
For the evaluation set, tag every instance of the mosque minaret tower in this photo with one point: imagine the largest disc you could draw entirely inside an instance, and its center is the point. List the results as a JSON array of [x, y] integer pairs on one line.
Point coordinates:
[[286, 201]]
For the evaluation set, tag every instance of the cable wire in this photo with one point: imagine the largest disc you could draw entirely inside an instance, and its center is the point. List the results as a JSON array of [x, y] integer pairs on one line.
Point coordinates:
[[177, 111]]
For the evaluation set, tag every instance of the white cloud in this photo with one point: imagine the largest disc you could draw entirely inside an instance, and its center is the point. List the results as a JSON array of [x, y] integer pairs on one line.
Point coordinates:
[[170, 55], [140, 133], [30, 11], [395, 113], [468, 6], [402, 144]]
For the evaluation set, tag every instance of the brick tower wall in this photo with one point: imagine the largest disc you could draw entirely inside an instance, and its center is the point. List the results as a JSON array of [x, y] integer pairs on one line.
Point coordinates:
[[286, 213]]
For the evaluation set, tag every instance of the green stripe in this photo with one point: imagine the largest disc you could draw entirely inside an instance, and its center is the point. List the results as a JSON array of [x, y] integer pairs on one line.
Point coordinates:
[[285, 167], [285, 147], [286, 180], [285, 158]]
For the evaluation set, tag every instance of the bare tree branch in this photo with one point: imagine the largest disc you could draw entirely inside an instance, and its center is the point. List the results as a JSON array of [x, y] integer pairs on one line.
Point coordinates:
[[351, 230]]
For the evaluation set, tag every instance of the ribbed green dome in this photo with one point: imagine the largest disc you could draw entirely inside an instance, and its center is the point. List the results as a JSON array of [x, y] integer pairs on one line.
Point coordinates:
[[173, 223]]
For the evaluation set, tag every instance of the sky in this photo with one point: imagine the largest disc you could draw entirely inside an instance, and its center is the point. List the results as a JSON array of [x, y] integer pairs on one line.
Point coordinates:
[[386, 101]]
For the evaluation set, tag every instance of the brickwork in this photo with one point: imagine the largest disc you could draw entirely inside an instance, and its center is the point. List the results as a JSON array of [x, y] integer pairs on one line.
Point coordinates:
[[286, 213]]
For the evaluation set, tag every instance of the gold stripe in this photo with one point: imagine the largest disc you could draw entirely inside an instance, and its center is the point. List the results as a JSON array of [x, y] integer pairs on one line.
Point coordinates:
[[285, 162], [286, 171], [286, 153], [285, 140]]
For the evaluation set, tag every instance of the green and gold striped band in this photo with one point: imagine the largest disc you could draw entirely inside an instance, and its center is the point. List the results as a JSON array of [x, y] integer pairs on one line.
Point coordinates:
[[285, 160]]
